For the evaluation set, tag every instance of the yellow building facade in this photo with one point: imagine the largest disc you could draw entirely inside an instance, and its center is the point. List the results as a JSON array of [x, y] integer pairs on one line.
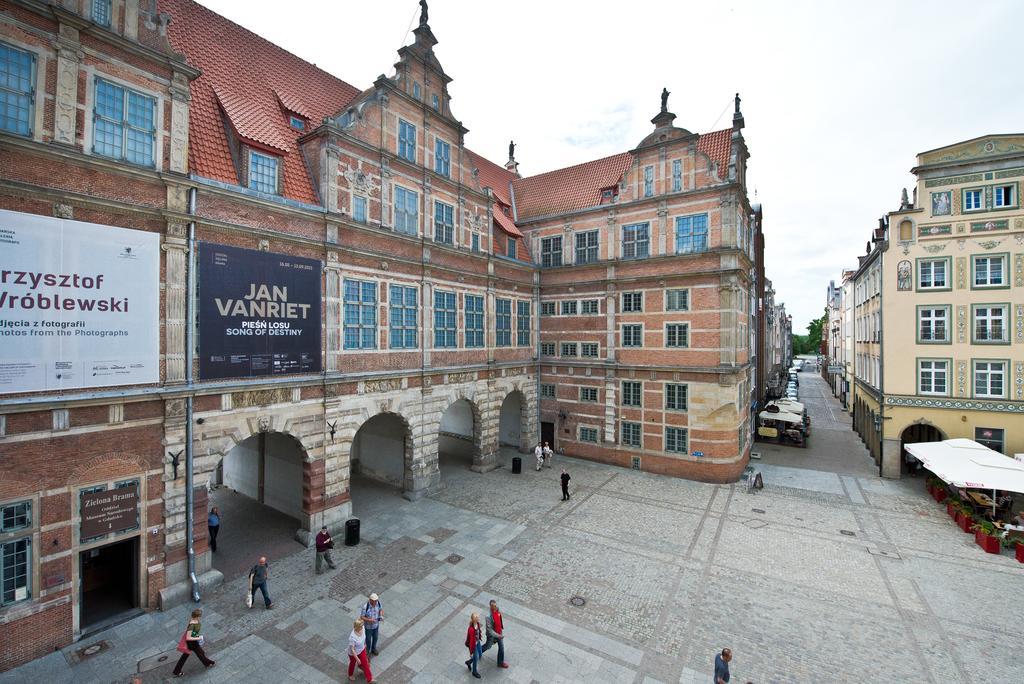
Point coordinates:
[[952, 303]]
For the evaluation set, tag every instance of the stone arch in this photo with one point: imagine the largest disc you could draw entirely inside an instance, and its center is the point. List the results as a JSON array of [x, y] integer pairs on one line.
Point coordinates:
[[270, 467], [462, 421], [393, 457], [107, 467], [920, 430], [514, 420]]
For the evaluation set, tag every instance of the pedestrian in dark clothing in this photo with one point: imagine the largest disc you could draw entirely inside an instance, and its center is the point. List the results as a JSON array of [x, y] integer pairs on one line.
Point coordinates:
[[213, 524], [565, 485], [258, 580], [474, 635], [324, 544], [722, 666], [192, 642], [496, 633]]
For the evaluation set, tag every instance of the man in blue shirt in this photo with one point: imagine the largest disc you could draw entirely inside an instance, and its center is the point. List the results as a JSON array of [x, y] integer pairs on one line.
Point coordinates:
[[722, 666]]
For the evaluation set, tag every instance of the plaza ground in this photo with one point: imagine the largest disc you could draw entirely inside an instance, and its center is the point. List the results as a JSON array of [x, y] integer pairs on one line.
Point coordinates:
[[828, 574]]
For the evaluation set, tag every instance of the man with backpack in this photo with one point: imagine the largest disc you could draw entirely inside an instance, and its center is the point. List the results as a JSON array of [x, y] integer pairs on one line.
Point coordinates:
[[372, 614]]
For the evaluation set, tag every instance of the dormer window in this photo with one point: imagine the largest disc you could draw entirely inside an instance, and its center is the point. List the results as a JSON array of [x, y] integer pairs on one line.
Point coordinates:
[[296, 123], [101, 12], [263, 172], [416, 90], [436, 102]]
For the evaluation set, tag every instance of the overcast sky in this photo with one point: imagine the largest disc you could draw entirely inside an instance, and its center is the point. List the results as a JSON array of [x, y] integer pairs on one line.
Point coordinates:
[[838, 97]]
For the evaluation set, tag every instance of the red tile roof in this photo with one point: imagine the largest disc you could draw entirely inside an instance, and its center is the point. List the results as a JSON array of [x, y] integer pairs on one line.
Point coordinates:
[[505, 223], [568, 189], [236, 61], [718, 146], [492, 176]]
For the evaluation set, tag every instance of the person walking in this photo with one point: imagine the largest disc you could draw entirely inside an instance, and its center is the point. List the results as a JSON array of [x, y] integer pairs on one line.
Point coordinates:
[[548, 453], [496, 633], [722, 666], [324, 544], [565, 485], [474, 636], [372, 614], [213, 524], [258, 580], [538, 453], [192, 642], [357, 652]]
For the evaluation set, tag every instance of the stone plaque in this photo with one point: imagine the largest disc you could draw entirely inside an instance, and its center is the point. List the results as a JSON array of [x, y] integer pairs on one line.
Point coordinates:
[[113, 510]]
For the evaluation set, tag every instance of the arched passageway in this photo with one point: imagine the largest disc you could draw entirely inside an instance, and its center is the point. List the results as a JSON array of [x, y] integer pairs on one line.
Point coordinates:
[[382, 450], [458, 440], [914, 434], [512, 421]]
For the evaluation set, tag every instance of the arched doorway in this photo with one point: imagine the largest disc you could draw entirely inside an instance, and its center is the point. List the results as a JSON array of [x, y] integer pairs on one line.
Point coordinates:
[[380, 462], [258, 490], [913, 434], [458, 440], [511, 421]]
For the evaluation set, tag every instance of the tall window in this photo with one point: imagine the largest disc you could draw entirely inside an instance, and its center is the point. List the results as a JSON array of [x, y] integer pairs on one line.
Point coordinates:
[[993, 438], [360, 314], [691, 234], [17, 77], [631, 433], [932, 274], [990, 323], [677, 335], [677, 300], [973, 200], [474, 318], [474, 242], [402, 320], [101, 12], [632, 336], [359, 208], [632, 393], [586, 247], [503, 322], [262, 172], [15, 552], [932, 377], [632, 302], [523, 324], [511, 250], [675, 440], [648, 181], [1004, 196], [636, 241], [444, 223], [442, 158], [989, 271], [551, 251], [989, 379], [675, 397], [416, 91], [406, 141], [123, 124], [677, 175], [407, 210], [444, 319], [933, 324]]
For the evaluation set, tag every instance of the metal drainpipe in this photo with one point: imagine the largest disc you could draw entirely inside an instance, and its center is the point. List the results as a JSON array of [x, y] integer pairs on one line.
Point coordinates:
[[189, 352]]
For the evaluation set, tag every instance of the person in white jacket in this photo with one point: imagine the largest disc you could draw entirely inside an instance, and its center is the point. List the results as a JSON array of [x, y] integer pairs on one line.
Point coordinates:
[[538, 453], [357, 652]]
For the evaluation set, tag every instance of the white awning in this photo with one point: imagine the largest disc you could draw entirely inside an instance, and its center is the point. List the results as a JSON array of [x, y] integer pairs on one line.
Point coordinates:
[[965, 463], [788, 405], [784, 416]]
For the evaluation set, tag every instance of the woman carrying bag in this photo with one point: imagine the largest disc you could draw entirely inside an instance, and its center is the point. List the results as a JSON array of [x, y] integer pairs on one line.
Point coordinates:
[[474, 635], [192, 642]]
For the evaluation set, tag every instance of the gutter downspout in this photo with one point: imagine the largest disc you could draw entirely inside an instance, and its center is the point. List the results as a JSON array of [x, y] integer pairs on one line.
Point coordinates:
[[881, 359], [189, 353]]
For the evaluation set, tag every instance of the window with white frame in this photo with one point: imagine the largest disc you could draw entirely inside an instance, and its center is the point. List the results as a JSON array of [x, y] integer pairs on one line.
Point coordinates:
[[989, 271], [124, 126], [632, 302], [17, 90], [990, 323], [691, 234], [16, 525], [636, 241], [1004, 196], [407, 211], [586, 247], [677, 175], [359, 208], [677, 300], [406, 141], [989, 379], [569, 349], [632, 335], [445, 325], [677, 335], [932, 377], [589, 306], [588, 434], [632, 393], [675, 440], [589, 350], [503, 322], [973, 200], [933, 324], [442, 157], [263, 170], [547, 308], [473, 314], [402, 317], [676, 397], [360, 302], [648, 181], [522, 323], [569, 307], [547, 348], [101, 12], [551, 251], [444, 223], [993, 438], [631, 433], [932, 274], [588, 394], [547, 391]]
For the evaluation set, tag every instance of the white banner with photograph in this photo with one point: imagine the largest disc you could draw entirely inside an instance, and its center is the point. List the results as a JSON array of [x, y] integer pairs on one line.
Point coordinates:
[[79, 304]]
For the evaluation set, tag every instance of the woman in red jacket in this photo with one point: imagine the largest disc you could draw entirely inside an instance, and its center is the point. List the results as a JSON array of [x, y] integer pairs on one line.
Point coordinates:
[[474, 635]]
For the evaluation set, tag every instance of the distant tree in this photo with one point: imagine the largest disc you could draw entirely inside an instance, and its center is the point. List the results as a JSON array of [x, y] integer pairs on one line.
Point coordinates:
[[811, 342]]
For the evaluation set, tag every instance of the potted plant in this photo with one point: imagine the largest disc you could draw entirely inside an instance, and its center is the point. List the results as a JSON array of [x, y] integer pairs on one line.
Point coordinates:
[[1020, 551], [1015, 544], [985, 536], [940, 493], [964, 518]]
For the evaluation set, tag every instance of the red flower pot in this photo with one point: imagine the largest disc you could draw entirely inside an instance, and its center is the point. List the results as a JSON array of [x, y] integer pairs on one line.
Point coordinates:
[[988, 543], [931, 490], [1020, 552], [940, 494], [949, 509], [964, 522]]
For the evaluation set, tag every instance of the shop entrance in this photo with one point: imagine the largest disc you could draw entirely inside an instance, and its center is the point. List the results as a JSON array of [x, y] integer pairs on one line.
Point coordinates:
[[547, 433], [109, 581]]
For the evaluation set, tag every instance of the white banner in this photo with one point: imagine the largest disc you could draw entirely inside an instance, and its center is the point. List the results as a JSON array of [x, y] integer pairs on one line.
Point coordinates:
[[79, 304]]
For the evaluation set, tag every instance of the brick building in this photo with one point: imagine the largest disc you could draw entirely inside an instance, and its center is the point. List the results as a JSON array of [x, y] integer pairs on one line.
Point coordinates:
[[611, 308]]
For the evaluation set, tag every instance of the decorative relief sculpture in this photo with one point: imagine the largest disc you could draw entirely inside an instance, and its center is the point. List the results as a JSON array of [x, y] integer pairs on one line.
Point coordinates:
[[260, 398], [904, 276], [388, 385]]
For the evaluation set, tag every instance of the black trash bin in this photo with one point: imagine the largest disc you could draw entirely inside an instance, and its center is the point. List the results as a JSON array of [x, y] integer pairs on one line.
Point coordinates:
[[517, 465], [352, 532]]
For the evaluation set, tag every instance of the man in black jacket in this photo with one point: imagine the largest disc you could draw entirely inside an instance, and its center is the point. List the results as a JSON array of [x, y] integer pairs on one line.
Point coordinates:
[[565, 485]]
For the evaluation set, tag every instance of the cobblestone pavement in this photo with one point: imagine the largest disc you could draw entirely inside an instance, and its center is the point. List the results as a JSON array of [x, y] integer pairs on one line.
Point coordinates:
[[828, 574]]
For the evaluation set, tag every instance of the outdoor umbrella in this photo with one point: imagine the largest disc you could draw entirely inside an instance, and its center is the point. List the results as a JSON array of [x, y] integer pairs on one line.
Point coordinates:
[[967, 464]]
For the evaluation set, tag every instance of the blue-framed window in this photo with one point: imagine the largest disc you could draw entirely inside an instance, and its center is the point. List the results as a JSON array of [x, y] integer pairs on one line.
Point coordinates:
[[406, 141], [511, 250], [435, 102], [973, 200], [522, 324], [359, 208], [17, 76], [474, 319], [1004, 196], [297, 123], [124, 124], [677, 175], [402, 317], [416, 90], [101, 12], [691, 234], [360, 314], [648, 181], [263, 172], [503, 322], [475, 242], [442, 157], [675, 440], [445, 325], [636, 241], [407, 211], [444, 223]]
